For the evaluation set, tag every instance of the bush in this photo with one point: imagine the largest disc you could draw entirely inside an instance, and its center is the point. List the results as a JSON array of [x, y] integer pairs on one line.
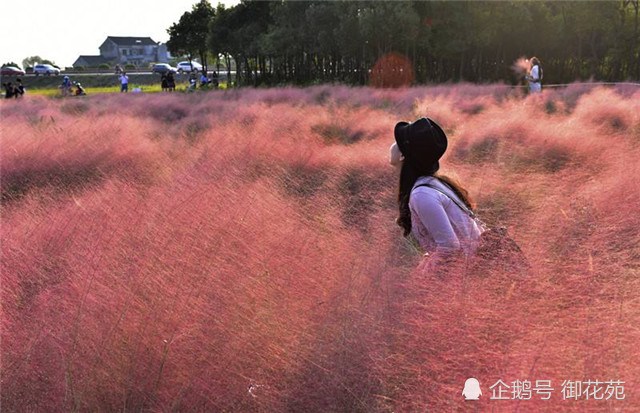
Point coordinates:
[[104, 66]]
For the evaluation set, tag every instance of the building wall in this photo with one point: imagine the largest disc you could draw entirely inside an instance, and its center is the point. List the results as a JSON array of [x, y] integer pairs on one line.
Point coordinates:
[[134, 54], [162, 56], [138, 54], [109, 50], [80, 62]]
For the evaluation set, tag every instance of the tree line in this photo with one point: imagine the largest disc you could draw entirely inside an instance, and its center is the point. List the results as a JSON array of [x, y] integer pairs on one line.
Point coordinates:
[[400, 42], [30, 61]]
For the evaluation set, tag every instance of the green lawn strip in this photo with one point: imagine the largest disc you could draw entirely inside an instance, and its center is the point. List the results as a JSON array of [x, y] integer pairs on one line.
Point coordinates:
[[55, 92]]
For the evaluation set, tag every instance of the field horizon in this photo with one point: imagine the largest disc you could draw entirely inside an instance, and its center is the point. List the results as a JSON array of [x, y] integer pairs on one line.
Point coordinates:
[[237, 251]]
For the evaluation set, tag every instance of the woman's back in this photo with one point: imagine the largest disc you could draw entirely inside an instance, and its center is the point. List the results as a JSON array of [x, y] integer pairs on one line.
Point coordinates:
[[437, 222]]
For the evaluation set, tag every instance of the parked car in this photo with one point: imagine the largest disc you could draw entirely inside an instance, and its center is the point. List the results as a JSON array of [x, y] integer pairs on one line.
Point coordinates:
[[45, 69], [11, 71], [163, 68], [186, 67]]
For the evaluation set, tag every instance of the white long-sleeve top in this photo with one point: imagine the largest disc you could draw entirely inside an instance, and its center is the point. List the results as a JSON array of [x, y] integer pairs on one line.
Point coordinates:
[[534, 79], [437, 222], [534, 74]]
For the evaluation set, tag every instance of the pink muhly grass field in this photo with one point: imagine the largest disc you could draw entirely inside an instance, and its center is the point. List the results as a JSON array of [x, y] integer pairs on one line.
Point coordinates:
[[237, 251]]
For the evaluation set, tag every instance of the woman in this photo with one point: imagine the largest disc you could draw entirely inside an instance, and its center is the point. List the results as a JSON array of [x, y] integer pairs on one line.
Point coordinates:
[[534, 77], [432, 207]]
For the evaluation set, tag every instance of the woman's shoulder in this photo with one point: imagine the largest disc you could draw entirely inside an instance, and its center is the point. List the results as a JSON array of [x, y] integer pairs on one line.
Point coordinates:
[[428, 184], [434, 189], [427, 189]]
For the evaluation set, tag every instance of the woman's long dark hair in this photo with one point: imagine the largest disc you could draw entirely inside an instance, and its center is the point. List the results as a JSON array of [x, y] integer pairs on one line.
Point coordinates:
[[409, 174], [536, 62]]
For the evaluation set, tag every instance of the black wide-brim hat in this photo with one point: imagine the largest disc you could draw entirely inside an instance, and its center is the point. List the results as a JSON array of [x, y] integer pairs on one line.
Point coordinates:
[[422, 142]]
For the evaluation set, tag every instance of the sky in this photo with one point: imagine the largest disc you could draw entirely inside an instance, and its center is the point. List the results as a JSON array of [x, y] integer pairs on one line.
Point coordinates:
[[62, 30]]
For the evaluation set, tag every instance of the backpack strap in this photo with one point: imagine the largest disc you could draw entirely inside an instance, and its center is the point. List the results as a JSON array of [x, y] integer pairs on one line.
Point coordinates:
[[460, 205], [483, 227]]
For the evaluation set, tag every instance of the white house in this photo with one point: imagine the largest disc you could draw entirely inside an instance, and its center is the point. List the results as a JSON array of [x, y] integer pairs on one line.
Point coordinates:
[[127, 50]]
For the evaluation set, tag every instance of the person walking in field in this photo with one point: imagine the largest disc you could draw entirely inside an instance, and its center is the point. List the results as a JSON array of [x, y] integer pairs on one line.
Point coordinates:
[[534, 77], [431, 206], [124, 82]]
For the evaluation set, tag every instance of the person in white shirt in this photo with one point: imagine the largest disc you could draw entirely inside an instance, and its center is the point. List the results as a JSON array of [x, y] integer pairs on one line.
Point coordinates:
[[430, 204], [124, 82], [534, 77]]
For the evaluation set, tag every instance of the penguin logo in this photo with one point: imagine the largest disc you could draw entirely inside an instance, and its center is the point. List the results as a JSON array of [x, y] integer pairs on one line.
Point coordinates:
[[471, 389]]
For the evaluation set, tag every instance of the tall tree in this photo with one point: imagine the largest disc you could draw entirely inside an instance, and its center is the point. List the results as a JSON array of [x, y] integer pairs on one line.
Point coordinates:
[[189, 36], [252, 19], [320, 18], [631, 11], [32, 60], [219, 37], [288, 40], [237, 32], [302, 42]]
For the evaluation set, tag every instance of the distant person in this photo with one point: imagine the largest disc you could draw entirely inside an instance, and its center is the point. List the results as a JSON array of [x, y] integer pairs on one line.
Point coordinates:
[[534, 77], [204, 80], [80, 90], [124, 82], [164, 85], [118, 69], [66, 86], [171, 82], [9, 90], [192, 85], [19, 89], [432, 207], [214, 79]]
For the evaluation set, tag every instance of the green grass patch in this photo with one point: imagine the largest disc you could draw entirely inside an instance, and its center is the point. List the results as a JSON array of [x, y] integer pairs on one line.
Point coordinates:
[[55, 92]]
